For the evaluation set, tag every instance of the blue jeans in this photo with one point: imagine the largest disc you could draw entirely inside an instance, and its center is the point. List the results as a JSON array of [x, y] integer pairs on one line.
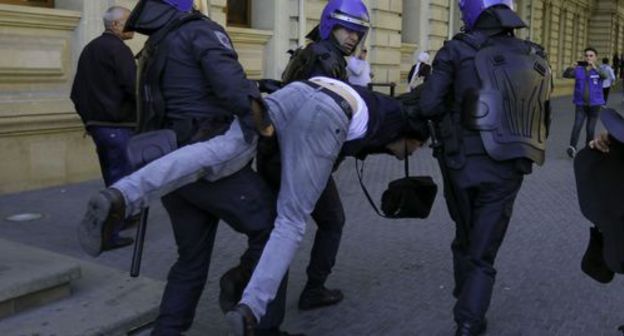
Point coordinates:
[[212, 160], [111, 143], [311, 129], [584, 112]]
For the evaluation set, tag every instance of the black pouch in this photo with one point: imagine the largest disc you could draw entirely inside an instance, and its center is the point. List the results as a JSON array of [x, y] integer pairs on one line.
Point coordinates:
[[409, 197]]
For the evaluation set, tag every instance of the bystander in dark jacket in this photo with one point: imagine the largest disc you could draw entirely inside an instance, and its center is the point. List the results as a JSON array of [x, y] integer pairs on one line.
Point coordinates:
[[103, 95]]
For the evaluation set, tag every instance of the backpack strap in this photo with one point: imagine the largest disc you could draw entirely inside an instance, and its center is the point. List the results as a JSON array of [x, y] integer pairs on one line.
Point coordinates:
[[475, 39]]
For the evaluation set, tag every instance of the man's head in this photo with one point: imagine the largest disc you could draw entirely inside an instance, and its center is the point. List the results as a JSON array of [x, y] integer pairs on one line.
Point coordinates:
[[472, 9], [605, 60], [115, 20], [591, 55], [346, 22]]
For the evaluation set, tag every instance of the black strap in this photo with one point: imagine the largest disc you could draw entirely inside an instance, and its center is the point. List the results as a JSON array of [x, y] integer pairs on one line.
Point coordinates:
[[344, 105], [360, 174]]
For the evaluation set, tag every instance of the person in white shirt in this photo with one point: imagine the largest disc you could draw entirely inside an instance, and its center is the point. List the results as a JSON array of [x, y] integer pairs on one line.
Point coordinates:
[[610, 80], [358, 69], [420, 71]]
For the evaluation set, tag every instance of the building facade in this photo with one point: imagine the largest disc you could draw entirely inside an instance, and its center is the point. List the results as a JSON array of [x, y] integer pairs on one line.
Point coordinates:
[[43, 143]]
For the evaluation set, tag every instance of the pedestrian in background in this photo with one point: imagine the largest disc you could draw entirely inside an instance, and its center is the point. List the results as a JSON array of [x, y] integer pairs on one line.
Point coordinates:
[[359, 69], [103, 95], [610, 80], [419, 72], [588, 96]]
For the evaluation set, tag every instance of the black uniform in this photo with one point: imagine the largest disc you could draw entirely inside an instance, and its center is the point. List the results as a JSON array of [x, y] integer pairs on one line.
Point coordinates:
[[190, 81], [328, 212], [487, 151]]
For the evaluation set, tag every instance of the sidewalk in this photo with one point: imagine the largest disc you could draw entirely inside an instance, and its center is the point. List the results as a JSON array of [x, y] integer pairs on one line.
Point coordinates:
[[396, 274]]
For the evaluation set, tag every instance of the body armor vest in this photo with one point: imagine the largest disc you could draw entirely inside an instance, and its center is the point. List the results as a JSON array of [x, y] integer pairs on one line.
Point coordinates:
[[151, 64], [510, 110]]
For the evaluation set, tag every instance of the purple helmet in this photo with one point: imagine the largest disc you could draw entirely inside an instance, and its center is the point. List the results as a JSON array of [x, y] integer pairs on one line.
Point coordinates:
[[351, 14], [181, 5], [472, 9]]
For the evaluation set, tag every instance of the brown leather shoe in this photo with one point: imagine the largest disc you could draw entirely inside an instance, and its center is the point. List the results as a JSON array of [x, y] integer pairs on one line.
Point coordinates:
[[105, 211], [241, 320]]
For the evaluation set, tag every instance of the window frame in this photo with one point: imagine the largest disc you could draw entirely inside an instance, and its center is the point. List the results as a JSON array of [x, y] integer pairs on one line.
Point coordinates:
[[247, 16], [29, 3]]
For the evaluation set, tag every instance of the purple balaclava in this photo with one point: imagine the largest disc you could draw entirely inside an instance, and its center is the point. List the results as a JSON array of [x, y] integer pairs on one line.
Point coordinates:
[[472, 9], [181, 5]]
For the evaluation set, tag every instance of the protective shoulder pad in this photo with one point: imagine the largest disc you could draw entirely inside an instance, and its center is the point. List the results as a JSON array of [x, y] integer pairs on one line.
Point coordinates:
[[475, 40]]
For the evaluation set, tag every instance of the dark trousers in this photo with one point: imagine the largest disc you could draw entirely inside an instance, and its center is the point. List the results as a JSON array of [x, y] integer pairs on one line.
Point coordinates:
[[328, 214], [584, 112], [246, 203], [111, 143], [605, 92], [484, 191]]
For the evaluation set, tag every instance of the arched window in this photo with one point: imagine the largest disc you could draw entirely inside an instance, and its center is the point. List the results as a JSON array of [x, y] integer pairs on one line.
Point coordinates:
[[239, 13], [38, 3]]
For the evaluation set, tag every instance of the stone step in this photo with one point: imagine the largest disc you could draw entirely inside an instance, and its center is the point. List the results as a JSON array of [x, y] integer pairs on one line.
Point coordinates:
[[104, 301], [31, 278]]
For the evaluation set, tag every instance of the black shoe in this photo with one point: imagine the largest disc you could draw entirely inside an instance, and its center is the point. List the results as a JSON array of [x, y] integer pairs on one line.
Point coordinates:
[[571, 151], [471, 329], [593, 263], [241, 320], [105, 211], [316, 297], [232, 284]]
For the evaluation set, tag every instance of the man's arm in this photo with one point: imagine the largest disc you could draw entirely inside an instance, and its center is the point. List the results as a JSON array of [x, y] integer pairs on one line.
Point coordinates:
[[219, 62], [438, 86], [569, 73]]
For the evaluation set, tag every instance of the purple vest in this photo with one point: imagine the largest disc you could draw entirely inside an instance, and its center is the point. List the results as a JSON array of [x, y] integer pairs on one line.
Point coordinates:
[[596, 96]]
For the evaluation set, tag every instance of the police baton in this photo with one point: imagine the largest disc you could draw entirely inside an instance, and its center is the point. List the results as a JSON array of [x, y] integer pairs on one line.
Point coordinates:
[[141, 150]]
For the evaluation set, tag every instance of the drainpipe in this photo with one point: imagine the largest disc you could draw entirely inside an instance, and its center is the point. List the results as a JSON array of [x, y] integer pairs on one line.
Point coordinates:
[[532, 20], [302, 23], [451, 20]]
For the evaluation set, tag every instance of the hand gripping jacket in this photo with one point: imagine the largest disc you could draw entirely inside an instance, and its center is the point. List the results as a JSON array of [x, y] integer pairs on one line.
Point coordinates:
[[511, 110]]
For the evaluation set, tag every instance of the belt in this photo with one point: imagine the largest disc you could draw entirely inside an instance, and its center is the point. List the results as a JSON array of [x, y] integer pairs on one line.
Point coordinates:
[[342, 102]]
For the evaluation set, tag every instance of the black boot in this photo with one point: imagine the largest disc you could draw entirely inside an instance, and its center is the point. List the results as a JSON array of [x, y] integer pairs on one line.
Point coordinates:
[[319, 296], [233, 283], [593, 263]]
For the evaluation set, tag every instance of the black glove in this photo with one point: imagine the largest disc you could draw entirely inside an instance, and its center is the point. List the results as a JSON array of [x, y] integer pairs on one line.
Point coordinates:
[[269, 86]]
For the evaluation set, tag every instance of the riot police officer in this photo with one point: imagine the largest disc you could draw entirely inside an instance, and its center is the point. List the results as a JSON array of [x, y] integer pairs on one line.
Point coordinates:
[[190, 81], [343, 26], [491, 133]]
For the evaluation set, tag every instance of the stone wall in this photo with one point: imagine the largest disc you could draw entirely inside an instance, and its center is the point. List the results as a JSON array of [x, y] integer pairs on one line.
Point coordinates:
[[41, 137]]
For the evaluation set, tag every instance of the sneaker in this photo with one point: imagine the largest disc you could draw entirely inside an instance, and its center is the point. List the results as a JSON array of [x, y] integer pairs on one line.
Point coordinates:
[[317, 297], [571, 152], [105, 210]]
